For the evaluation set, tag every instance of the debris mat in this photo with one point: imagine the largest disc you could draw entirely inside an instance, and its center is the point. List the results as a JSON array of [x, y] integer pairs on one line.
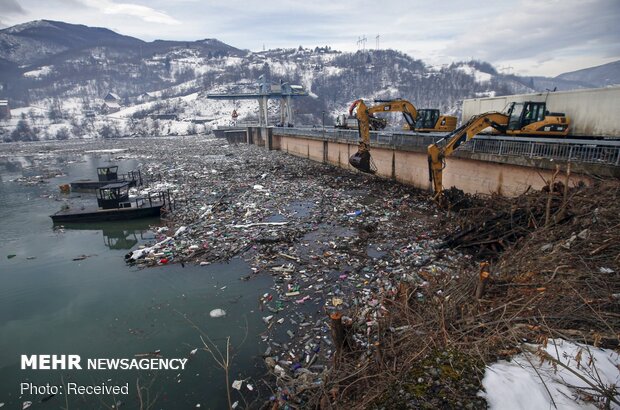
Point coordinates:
[[554, 273], [381, 299]]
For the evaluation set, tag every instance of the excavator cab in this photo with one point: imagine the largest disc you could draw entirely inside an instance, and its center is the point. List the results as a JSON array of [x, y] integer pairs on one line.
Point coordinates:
[[430, 120], [532, 118], [427, 118], [525, 113]]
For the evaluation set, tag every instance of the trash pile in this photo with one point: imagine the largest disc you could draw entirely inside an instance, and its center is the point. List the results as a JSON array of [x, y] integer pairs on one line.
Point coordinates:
[[336, 243], [575, 262], [43, 177], [489, 226], [364, 285], [554, 274]]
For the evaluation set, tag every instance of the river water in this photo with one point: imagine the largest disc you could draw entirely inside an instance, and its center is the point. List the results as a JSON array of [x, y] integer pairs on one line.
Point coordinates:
[[98, 307]]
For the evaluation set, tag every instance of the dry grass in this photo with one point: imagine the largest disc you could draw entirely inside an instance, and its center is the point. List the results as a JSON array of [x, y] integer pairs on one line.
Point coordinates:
[[555, 273]]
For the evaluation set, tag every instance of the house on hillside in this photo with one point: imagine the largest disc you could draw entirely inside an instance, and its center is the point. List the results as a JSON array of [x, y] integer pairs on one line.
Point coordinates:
[[111, 103], [5, 110], [111, 97], [146, 97], [110, 107]]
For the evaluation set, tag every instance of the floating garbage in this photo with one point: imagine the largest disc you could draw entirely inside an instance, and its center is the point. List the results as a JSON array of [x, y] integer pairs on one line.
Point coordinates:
[[355, 213], [180, 231], [217, 313], [334, 242]]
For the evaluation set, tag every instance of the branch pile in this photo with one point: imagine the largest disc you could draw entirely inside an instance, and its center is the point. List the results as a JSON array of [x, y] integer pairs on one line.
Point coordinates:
[[555, 273]]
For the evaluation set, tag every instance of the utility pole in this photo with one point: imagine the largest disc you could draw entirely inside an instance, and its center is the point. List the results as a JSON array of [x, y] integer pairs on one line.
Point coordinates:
[[361, 43], [377, 38]]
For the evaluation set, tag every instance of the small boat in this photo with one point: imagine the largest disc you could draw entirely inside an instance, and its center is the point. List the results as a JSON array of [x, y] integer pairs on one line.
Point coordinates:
[[105, 176], [114, 204]]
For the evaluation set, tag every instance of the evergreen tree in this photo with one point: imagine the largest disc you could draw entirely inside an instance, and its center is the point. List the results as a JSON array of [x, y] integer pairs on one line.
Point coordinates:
[[62, 134], [23, 131]]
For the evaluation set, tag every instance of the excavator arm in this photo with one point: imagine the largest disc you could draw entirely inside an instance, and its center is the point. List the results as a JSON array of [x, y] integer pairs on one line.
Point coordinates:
[[443, 148], [361, 159], [410, 113]]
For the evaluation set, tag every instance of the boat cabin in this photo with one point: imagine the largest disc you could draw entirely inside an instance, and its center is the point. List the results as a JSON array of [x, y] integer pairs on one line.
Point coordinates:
[[107, 173], [114, 196]]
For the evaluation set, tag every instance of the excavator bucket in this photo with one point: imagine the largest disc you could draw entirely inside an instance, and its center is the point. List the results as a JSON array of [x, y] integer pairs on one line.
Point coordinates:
[[361, 161]]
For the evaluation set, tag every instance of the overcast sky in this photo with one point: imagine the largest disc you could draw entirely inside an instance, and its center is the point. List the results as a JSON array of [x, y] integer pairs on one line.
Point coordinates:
[[527, 37]]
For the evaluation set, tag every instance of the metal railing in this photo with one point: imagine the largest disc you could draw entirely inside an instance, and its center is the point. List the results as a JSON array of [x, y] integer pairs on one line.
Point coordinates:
[[586, 153], [395, 139]]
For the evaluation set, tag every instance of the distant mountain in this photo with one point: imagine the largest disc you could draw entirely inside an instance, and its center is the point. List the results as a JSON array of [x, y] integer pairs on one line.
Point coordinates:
[[49, 59], [34, 41], [46, 63], [593, 77], [599, 76]]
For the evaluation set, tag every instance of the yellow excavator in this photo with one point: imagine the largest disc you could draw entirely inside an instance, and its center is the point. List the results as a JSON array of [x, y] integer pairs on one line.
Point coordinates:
[[430, 120], [365, 114], [522, 118]]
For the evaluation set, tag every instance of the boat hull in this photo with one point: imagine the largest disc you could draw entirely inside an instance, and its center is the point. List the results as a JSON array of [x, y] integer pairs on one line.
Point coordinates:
[[104, 215], [93, 185]]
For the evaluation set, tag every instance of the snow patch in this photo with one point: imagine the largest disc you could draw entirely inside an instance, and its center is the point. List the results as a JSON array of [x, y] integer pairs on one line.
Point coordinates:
[[40, 72], [332, 71], [517, 384], [477, 74]]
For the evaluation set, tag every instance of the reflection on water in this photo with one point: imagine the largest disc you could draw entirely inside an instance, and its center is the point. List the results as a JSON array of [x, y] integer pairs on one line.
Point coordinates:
[[120, 234], [68, 291]]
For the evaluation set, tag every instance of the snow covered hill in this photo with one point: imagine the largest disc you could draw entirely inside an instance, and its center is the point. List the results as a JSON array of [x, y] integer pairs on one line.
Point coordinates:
[[600, 76], [76, 66], [34, 41]]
